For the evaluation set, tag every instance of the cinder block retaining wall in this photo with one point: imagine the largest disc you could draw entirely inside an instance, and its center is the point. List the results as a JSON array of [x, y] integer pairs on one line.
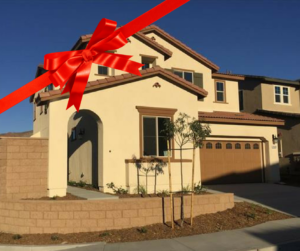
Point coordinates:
[[23, 167], [29, 216]]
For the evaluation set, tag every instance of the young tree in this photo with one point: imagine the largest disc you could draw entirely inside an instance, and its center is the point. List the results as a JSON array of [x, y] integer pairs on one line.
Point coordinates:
[[198, 133], [181, 135]]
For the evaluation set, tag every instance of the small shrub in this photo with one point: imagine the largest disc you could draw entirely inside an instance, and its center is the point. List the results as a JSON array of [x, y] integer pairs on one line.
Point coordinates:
[[72, 183], [198, 188], [81, 183], [54, 237], [142, 230], [116, 190], [163, 192], [251, 215], [186, 189], [16, 237], [104, 234], [142, 190], [54, 197], [269, 211]]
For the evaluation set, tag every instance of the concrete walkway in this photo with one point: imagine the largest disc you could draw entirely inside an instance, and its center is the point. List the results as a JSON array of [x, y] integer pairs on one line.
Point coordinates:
[[282, 198], [271, 236], [90, 195]]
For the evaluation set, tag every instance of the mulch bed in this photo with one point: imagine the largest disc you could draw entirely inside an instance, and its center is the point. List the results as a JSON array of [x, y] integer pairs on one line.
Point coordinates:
[[67, 197], [242, 215]]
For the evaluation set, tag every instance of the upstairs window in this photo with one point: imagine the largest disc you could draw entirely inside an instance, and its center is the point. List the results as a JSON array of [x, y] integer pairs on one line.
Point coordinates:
[[102, 70], [281, 95], [187, 75], [220, 91], [148, 61]]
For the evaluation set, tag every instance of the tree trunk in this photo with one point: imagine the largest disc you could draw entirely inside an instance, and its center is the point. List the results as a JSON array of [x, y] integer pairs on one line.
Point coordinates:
[[181, 203], [193, 185], [170, 185]]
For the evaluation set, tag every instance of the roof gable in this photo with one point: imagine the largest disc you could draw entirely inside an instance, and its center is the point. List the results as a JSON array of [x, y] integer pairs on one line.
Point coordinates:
[[175, 42], [115, 81]]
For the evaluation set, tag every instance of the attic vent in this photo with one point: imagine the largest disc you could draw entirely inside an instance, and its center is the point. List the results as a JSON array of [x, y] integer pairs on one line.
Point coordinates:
[[153, 38]]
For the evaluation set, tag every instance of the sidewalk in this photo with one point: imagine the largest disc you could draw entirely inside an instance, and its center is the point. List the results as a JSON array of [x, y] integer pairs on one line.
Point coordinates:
[[265, 237], [90, 195]]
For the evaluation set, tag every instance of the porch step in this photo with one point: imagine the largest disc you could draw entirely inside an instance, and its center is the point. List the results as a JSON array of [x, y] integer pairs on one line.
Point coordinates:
[[90, 195]]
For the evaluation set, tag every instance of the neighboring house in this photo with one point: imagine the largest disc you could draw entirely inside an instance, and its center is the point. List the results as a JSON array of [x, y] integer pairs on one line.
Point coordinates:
[[279, 99], [122, 115]]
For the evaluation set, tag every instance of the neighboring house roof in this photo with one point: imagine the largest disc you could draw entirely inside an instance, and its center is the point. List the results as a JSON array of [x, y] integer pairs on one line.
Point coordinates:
[[125, 79], [155, 29], [287, 114], [273, 80], [153, 44], [228, 76], [238, 118]]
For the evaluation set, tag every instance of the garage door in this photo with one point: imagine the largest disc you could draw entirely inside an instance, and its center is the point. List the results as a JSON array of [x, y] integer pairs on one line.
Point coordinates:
[[227, 162]]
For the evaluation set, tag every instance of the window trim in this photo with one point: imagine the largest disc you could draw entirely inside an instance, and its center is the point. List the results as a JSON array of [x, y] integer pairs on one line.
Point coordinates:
[[224, 91], [183, 71], [282, 95], [156, 135], [154, 112]]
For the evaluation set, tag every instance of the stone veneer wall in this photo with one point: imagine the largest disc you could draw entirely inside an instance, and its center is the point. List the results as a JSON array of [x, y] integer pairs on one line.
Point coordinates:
[[36, 216], [23, 167]]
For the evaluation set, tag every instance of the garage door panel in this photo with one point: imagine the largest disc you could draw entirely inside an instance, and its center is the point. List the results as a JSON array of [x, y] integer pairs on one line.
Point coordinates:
[[224, 162]]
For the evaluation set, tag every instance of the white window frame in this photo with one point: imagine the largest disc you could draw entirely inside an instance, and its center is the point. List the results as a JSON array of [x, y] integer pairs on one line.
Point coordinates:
[[282, 95], [183, 72], [156, 136]]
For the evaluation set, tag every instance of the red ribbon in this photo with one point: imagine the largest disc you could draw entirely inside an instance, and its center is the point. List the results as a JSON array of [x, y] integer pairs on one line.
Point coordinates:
[[72, 68]]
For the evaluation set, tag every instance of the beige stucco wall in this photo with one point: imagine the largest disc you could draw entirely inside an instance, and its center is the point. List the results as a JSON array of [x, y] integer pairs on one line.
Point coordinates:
[[116, 107], [270, 154], [268, 99]]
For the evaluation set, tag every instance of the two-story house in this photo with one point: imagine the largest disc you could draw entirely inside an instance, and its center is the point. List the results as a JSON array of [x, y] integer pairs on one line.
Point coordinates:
[[122, 116], [280, 99]]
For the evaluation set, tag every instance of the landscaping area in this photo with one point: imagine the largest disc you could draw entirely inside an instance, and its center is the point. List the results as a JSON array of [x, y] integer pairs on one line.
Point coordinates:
[[241, 216]]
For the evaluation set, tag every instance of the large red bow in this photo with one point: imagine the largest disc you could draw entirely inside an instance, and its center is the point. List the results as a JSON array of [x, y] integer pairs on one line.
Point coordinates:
[[72, 68]]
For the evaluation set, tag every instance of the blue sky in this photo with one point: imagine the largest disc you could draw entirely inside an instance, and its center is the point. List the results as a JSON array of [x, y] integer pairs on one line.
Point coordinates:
[[255, 37]]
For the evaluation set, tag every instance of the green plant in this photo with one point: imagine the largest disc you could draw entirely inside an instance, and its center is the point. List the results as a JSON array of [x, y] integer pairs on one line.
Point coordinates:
[[198, 188], [54, 197], [16, 236], [54, 237], [72, 183], [81, 183], [116, 190], [186, 189], [142, 230], [269, 211], [104, 234], [163, 192], [251, 215]]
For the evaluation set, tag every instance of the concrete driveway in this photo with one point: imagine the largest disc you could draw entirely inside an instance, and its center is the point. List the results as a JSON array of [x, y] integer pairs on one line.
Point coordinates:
[[279, 197]]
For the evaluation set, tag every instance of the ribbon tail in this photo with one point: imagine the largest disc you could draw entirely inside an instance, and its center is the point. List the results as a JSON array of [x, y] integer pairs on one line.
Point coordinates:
[[79, 85], [69, 84], [24, 92]]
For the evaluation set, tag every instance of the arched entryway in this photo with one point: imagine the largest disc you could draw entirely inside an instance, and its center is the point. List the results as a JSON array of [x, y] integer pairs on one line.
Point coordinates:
[[85, 148]]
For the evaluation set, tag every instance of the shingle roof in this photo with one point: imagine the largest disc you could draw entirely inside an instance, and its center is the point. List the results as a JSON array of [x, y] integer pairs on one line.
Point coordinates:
[[125, 79], [239, 118], [138, 35], [184, 47], [287, 114], [271, 79], [229, 76]]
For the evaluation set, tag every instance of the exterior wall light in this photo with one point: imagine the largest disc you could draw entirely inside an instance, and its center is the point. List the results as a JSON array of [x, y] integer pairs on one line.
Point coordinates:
[[275, 139], [81, 133]]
